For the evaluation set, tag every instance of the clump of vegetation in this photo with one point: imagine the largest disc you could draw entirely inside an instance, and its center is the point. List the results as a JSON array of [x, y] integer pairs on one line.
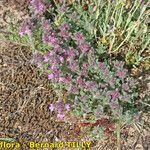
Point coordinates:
[[73, 48]]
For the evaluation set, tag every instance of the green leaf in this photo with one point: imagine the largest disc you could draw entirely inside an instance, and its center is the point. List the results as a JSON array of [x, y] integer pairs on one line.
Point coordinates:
[[8, 139]]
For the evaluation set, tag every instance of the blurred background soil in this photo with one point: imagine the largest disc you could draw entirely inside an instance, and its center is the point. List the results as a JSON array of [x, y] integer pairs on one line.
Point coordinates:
[[24, 100]]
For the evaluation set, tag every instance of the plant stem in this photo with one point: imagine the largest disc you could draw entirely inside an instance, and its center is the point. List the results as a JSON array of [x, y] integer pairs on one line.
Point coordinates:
[[32, 44], [118, 135], [20, 44]]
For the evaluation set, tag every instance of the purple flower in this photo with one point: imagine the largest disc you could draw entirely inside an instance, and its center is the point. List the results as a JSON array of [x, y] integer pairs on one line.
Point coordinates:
[[58, 50], [57, 74], [37, 59], [65, 34], [102, 66], [79, 37], [114, 95], [106, 72], [39, 65], [50, 76], [118, 64], [60, 116], [65, 26], [125, 87], [74, 90], [121, 74], [25, 29], [61, 79], [54, 41], [51, 53], [49, 37], [84, 47], [91, 84], [46, 57], [63, 8], [60, 106], [81, 82], [85, 69], [46, 24], [74, 65], [84, 72], [111, 82], [67, 79], [38, 6], [86, 66], [114, 105], [55, 67], [51, 107], [65, 53], [125, 98], [144, 2], [71, 53], [67, 106], [61, 59], [45, 37]]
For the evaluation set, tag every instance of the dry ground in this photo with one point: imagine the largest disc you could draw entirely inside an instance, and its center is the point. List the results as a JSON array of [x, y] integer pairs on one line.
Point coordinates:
[[24, 100]]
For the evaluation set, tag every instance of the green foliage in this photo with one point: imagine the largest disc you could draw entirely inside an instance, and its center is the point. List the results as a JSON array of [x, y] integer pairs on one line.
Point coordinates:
[[14, 37], [95, 133], [112, 25]]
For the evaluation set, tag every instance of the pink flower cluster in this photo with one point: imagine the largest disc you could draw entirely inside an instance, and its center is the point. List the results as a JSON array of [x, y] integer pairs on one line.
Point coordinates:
[[60, 107], [25, 29], [38, 6], [68, 57], [72, 64]]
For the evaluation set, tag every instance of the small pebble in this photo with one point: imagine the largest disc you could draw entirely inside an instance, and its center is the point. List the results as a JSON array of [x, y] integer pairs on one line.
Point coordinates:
[[148, 85]]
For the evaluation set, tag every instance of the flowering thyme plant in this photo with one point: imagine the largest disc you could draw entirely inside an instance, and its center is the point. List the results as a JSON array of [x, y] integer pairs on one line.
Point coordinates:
[[94, 90]]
